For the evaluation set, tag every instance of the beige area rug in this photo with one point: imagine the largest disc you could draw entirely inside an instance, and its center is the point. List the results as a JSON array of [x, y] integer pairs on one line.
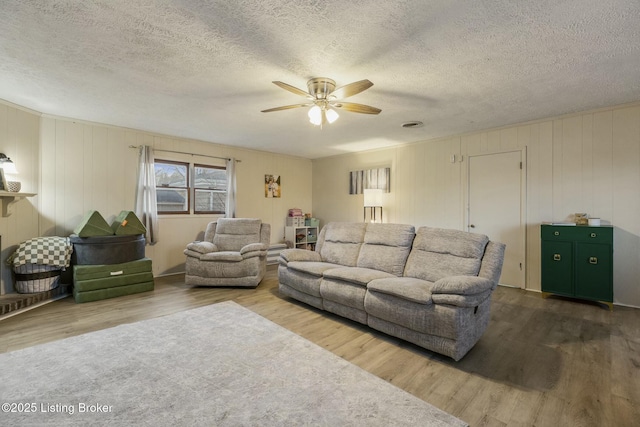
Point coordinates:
[[219, 365]]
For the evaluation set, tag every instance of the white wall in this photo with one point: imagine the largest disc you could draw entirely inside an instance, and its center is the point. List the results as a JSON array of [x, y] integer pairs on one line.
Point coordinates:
[[587, 162], [78, 166]]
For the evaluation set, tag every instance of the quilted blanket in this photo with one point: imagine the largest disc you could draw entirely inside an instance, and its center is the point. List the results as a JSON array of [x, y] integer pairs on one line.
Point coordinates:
[[55, 251]]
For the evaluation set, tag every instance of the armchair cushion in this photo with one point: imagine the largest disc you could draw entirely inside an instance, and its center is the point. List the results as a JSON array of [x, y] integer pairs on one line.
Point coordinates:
[[231, 234], [253, 247], [222, 256], [202, 247]]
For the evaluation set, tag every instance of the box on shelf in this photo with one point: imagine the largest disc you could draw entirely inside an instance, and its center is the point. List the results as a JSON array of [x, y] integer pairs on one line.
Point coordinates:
[[312, 222], [295, 221]]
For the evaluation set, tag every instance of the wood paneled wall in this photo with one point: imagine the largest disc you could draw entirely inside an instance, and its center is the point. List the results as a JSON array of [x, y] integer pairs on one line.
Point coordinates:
[[78, 166], [19, 140], [587, 162]]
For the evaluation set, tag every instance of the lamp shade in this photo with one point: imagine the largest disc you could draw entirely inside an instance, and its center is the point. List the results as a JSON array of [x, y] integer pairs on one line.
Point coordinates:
[[372, 197], [332, 115], [315, 115], [8, 166]]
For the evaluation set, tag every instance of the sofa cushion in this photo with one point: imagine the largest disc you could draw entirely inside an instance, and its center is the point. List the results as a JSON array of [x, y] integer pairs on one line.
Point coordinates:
[[438, 253], [341, 243], [407, 288], [359, 276], [311, 267], [234, 233], [386, 247], [295, 254]]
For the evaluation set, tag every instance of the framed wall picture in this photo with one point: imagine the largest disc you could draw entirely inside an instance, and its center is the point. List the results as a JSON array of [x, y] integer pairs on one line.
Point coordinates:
[[272, 186], [3, 181]]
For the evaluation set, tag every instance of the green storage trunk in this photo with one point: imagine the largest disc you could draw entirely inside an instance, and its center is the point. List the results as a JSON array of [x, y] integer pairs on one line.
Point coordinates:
[[93, 224], [97, 282], [102, 250]]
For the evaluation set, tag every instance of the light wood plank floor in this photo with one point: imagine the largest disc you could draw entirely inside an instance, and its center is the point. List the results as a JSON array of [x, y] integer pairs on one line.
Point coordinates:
[[541, 362]]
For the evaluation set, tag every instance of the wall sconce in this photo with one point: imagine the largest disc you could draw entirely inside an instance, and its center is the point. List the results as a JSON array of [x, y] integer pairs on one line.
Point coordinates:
[[8, 171], [372, 201]]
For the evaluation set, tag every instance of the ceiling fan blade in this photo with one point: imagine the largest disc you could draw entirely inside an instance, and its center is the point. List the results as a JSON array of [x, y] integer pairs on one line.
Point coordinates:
[[351, 89], [356, 108], [293, 89], [287, 107]]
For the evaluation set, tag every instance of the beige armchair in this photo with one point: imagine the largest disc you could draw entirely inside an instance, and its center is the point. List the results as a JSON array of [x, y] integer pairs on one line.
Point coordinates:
[[233, 253]]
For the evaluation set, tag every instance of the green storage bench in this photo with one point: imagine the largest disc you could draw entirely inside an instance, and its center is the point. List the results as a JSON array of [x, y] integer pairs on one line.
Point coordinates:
[[97, 282]]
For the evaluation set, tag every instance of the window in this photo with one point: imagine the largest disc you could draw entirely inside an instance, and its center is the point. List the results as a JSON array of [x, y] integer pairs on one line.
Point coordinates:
[[210, 189], [175, 189], [172, 186]]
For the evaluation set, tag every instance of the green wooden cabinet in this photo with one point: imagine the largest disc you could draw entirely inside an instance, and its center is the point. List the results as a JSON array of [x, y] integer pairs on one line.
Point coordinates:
[[577, 262]]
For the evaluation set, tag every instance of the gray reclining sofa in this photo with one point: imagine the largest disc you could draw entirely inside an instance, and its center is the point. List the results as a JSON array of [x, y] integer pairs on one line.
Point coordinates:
[[431, 287]]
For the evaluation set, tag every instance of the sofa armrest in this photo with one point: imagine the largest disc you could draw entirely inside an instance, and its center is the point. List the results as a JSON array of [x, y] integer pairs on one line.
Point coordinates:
[[253, 247], [202, 247], [462, 285], [461, 300], [289, 255]]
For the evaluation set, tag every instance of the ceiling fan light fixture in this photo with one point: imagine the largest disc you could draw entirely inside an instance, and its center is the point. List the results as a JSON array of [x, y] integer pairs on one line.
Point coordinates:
[[315, 115], [324, 96], [332, 115]]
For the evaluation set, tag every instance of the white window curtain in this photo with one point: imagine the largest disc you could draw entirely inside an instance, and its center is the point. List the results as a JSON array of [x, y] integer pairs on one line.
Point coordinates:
[[231, 188], [146, 202]]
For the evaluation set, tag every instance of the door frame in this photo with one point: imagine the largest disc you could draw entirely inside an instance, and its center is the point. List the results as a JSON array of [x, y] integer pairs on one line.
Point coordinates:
[[523, 200]]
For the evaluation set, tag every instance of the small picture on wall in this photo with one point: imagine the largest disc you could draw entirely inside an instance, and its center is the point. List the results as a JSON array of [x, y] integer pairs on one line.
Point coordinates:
[[272, 186]]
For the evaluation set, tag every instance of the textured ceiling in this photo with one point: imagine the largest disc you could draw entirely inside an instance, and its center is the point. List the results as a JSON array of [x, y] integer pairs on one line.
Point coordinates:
[[203, 69]]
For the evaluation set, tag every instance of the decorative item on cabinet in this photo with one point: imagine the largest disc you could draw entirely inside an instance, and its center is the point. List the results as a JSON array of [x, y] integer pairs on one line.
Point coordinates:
[[581, 219]]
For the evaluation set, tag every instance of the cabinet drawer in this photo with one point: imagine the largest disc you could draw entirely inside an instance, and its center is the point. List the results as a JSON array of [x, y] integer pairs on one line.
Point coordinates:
[[577, 233]]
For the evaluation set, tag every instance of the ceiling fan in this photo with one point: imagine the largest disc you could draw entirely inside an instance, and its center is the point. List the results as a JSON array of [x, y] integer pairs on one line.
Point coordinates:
[[324, 99]]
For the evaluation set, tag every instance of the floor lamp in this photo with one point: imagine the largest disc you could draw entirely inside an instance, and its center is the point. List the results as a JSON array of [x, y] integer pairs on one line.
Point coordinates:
[[372, 202]]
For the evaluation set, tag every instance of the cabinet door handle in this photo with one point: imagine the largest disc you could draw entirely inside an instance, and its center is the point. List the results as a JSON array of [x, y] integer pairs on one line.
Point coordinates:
[[556, 233], [593, 260], [593, 234], [556, 257]]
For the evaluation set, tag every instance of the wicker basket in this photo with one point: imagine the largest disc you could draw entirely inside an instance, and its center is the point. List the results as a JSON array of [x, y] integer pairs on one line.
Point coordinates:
[[33, 278]]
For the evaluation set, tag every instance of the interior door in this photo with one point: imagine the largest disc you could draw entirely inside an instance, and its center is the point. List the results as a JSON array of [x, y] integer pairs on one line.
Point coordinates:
[[496, 205]]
